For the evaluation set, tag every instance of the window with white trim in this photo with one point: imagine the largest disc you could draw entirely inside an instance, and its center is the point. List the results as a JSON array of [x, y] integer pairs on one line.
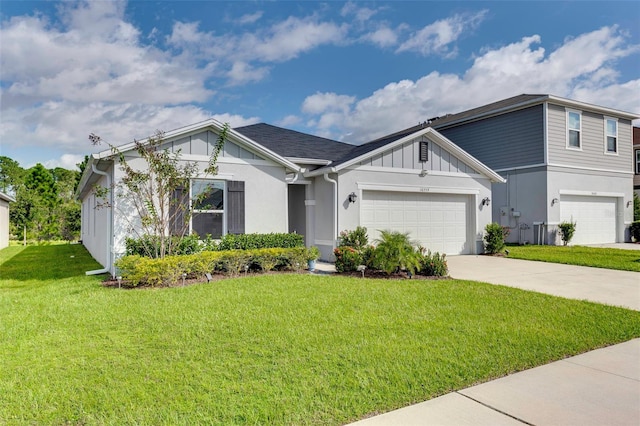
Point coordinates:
[[574, 129], [638, 161], [208, 201], [611, 135]]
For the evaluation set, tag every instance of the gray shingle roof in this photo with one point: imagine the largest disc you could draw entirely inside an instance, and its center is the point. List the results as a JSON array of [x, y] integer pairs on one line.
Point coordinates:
[[505, 104], [290, 143], [293, 144]]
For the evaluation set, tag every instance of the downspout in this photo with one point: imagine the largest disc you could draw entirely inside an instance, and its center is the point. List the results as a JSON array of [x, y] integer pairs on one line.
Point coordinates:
[[335, 209], [107, 269]]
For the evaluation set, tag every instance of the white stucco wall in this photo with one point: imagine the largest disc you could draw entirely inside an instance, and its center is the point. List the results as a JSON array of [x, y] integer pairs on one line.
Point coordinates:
[[4, 223], [265, 198], [94, 225]]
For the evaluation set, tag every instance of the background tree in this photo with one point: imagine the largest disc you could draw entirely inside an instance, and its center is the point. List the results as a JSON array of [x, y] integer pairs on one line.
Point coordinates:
[[159, 191], [45, 207], [11, 175]]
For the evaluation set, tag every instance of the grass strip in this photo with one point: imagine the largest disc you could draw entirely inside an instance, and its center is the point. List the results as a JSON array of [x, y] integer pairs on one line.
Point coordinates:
[[598, 257]]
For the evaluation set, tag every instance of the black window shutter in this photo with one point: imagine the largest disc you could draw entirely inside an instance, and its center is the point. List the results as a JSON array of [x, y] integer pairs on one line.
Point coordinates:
[[235, 212], [176, 211]]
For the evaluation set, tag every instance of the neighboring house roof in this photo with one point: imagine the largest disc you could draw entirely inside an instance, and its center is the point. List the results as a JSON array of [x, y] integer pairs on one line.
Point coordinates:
[[295, 145], [520, 102], [6, 197]]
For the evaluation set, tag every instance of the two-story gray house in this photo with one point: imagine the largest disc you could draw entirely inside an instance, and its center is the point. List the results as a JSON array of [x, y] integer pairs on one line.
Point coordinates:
[[563, 160]]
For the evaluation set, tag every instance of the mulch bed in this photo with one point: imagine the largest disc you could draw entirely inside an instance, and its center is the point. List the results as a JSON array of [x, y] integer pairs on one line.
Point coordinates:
[[372, 274]]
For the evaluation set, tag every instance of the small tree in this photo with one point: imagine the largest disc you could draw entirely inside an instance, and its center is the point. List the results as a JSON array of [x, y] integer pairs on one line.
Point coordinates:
[[159, 191], [494, 237], [566, 229]]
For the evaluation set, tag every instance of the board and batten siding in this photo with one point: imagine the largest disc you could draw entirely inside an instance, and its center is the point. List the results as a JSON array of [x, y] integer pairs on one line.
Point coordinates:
[[203, 143], [592, 154], [406, 157], [505, 141]]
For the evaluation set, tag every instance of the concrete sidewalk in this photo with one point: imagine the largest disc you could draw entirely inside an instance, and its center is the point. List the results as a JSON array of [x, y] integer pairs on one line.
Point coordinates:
[[600, 387], [618, 288]]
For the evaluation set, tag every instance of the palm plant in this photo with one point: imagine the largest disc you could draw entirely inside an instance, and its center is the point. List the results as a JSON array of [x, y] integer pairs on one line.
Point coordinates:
[[395, 252]]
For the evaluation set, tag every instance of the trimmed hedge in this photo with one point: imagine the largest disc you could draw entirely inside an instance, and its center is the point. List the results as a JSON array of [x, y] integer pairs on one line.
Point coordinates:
[[260, 241], [149, 245], [138, 270]]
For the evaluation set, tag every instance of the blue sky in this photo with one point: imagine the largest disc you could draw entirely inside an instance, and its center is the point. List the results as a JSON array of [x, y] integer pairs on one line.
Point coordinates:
[[351, 71]]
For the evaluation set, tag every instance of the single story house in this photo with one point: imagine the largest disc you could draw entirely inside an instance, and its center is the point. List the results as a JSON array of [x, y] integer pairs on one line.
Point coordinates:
[[4, 219], [272, 179]]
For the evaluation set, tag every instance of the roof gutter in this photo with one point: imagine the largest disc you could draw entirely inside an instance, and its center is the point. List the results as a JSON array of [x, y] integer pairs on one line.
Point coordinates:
[[107, 268], [321, 171]]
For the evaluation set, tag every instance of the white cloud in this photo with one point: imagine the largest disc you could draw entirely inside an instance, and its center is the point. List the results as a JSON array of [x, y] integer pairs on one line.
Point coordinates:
[[66, 161], [242, 72], [382, 37], [235, 120], [581, 69], [250, 18], [97, 57], [359, 13], [327, 102], [437, 37], [280, 42], [288, 121]]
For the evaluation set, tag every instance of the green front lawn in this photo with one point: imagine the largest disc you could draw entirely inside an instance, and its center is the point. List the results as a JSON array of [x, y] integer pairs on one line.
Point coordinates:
[[271, 349], [608, 258]]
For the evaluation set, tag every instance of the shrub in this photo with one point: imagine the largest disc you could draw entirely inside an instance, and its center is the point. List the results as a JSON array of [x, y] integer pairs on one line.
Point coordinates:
[[264, 259], [259, 241], [395, 252], [357, 238], [634, 229], [235, 261], [139, 270], [433, 264], [636, 207], [149, 245], [494, 237], [566, 230], [347, 259]]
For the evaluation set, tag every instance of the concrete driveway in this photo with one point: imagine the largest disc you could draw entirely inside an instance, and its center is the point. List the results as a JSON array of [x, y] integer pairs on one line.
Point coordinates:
[[618, 288]]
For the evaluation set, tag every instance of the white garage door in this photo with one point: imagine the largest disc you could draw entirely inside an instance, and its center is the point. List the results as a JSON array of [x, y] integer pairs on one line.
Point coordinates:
[[595, 218], [436, 221]]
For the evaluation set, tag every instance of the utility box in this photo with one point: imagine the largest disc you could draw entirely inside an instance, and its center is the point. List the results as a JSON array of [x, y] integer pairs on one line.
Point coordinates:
[[515, 214], [504, 216]]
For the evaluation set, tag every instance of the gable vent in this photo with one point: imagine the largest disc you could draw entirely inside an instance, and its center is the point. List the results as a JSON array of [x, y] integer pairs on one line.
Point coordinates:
[[424, 152]]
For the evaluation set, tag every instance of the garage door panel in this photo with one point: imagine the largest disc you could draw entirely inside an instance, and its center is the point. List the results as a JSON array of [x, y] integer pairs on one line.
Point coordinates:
[[436, 221], [595, 218]]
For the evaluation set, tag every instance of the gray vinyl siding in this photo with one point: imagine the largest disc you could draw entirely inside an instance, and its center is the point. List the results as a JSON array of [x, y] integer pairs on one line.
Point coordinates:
[[505, 141], [406, 157], [203, 143], [592, 154]]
